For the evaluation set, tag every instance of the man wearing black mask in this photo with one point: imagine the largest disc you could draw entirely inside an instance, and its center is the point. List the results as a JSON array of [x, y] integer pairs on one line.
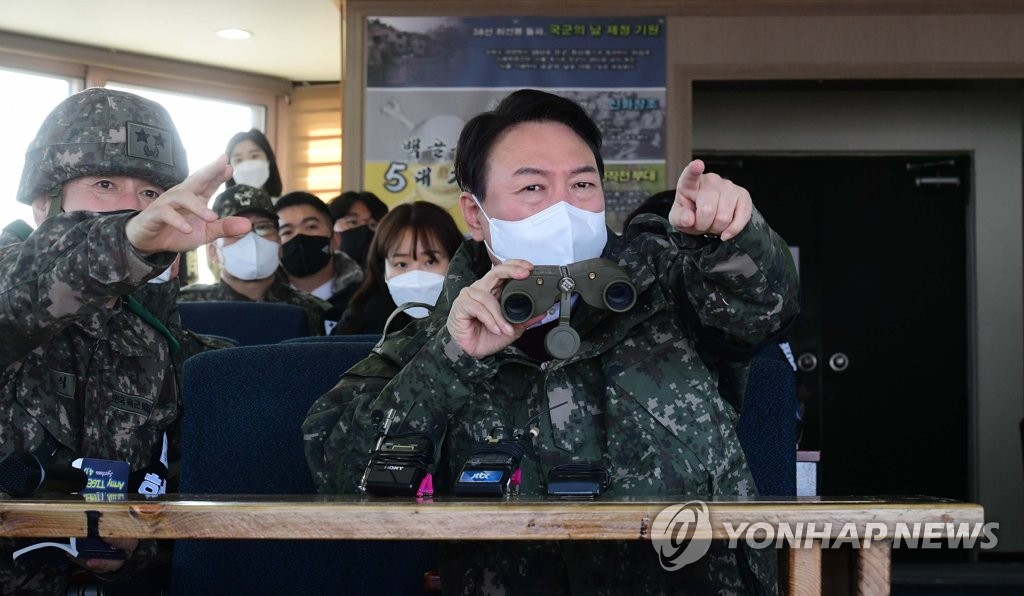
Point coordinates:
[[355, 220], [310, 257]]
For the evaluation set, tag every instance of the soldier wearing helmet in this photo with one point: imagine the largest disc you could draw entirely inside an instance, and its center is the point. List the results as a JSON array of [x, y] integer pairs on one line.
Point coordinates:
[[92, 352]]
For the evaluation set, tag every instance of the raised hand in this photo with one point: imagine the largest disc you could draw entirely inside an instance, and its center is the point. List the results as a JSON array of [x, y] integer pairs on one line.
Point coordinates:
[[179, 219], [709, 204], [475, 321]]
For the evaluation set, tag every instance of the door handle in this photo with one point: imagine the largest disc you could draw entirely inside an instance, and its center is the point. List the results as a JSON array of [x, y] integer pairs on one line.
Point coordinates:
[[838, 362], [807, 362]]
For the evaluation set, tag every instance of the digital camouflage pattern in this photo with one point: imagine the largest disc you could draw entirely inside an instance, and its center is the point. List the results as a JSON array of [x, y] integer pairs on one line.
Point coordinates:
[[103, 132], [636, 397], [347, 276], [243, 199], [279, 291], [82, 378], [161, 299]]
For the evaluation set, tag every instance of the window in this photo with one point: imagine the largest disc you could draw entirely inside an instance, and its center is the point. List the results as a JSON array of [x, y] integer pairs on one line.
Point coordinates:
[[315, 140], [208, 105], [205, 126], [24, 111]]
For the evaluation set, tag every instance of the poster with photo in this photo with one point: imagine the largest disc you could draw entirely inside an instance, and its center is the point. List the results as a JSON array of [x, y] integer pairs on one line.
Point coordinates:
[[426, 76]]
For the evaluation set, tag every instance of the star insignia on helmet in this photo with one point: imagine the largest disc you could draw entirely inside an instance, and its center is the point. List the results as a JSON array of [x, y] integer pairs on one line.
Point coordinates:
[[150, 143]]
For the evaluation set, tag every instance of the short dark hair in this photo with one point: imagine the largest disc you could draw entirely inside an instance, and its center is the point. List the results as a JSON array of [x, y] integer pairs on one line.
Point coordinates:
[[341, 204], [526, 105], [273, 183], [301, 197]]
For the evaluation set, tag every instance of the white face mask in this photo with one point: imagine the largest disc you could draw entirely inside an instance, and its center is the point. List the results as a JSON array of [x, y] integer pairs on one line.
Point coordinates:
[[252, 257], [558, 235], [416, 286], [252, 172], [164, 277]]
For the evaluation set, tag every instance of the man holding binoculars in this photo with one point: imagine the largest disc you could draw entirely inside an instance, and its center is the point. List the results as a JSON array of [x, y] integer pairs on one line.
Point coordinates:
[[631, 392]]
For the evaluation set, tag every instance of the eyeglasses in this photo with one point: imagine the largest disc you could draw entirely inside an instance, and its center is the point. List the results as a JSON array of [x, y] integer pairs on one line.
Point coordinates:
[[264, 229]]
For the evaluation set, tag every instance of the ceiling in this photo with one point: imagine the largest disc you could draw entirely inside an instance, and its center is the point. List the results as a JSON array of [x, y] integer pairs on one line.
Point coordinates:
[[298, 40]]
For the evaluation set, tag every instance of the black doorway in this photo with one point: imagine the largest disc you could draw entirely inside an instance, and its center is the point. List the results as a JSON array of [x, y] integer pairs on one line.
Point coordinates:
[[882, 337]]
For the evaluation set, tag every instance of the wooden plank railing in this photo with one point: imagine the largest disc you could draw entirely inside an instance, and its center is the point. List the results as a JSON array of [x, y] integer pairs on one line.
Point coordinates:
[[359, 518]]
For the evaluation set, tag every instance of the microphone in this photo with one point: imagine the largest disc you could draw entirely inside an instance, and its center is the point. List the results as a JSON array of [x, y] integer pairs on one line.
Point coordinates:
[[23, 475]]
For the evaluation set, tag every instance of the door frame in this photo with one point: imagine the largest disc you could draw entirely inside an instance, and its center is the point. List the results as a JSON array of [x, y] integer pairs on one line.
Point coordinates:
[[990, 129]]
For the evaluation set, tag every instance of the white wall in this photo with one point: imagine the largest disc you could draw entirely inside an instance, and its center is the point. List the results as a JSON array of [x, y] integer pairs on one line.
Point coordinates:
[[987, 123]]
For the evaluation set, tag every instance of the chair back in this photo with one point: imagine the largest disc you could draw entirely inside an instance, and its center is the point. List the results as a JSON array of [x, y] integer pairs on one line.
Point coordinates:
[[357, 337], [248, 323], [241, 434], [767, 427]]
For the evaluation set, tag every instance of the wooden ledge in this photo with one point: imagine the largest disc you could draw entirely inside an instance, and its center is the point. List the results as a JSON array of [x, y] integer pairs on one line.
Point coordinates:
[[347, 517]]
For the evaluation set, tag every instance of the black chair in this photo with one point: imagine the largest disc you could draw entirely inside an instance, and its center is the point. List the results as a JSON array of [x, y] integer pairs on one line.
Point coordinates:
[[358, 337], [241, 434], [767, 428], [248, 323]]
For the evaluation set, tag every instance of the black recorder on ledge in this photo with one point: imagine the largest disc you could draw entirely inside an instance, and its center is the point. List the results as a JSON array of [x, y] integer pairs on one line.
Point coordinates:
[[490, 469], [398, 463], [578, 481]]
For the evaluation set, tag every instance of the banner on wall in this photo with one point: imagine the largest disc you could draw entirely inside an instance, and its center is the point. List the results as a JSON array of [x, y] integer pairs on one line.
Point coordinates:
[[427, 76]]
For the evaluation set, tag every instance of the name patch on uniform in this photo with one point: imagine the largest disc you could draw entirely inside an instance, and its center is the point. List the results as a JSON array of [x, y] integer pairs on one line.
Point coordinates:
[[148, 142], [63, 383], [131, 403]]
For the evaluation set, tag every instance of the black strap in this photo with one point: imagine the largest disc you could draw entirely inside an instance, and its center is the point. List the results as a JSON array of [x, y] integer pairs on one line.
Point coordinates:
[[136, 307], [92, 524]]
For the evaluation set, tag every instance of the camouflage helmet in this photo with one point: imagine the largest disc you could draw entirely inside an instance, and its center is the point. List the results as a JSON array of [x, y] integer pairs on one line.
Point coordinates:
[[102, 132]]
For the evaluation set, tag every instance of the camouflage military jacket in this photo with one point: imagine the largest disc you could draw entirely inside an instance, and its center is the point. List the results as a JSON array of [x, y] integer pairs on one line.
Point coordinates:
[[98, 380], [79, 378], [347, 274], [637, 397], [279, 291]]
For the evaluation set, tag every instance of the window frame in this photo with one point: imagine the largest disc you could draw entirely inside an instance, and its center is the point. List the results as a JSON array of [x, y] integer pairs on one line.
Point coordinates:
[[93, 67]]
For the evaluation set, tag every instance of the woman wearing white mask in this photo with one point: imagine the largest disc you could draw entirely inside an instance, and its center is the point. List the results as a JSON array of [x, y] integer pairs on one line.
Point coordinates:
[[254, 163], [406, 263]]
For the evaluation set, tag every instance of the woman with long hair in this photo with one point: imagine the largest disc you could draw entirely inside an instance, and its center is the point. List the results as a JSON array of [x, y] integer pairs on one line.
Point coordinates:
[[406, 262], [249, 153]]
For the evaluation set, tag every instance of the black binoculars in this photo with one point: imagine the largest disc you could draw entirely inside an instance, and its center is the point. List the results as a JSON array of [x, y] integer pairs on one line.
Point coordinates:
[[600, 282]]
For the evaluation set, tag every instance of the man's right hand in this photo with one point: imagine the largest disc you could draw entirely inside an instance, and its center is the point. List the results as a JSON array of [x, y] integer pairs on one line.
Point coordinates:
[[179, 219], [475, 321]]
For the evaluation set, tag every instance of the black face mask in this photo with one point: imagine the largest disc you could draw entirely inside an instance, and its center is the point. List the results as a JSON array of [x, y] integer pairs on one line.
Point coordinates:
[[356, 243], [303, 255]]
